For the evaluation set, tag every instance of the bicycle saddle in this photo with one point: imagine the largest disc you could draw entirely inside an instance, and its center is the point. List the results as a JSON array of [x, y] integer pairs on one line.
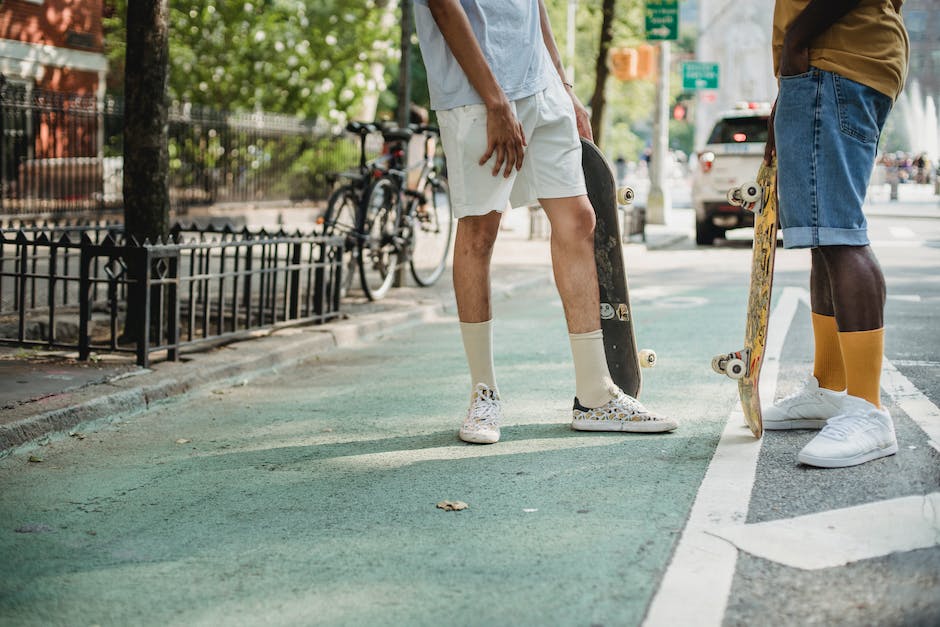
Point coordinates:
[[361, 128]]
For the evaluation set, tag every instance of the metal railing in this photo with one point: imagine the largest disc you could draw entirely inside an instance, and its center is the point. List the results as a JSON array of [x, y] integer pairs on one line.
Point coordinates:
[[86, 287], [61, 155]]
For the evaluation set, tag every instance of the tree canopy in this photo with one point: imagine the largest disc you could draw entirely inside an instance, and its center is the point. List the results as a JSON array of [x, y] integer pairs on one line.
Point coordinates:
[[312, 58]]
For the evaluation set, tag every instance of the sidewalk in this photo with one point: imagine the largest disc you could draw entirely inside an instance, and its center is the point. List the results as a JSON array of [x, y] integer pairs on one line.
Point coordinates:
[[48, 393]]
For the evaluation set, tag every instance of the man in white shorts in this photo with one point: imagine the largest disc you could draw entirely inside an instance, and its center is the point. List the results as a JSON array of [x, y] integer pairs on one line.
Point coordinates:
[[509, 127]]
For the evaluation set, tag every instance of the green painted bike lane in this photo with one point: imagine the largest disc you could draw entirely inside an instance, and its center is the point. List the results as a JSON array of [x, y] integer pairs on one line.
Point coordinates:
[[309, 496]]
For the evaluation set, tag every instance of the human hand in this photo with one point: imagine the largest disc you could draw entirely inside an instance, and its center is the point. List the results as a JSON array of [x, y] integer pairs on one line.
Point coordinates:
[[504, 138], [770, 148], [581, 116], [794, 59]]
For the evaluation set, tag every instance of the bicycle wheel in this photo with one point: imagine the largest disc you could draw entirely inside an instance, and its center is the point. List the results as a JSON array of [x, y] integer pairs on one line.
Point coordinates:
[[432, 227], [378, 249], [340, 219]]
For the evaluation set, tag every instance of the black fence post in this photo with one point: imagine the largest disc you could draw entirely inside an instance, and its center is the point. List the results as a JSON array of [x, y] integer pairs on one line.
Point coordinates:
[[84, 297]]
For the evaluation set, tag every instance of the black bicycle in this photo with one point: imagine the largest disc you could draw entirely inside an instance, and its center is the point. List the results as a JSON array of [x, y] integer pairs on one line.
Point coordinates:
[[385, 221], [408, 216]]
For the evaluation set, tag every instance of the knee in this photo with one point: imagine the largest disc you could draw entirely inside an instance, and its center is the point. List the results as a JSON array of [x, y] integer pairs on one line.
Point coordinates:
[[476, 237], [578, 225]]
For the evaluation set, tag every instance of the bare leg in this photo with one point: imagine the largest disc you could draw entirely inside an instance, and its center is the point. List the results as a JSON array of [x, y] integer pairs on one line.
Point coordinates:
[[820, 291], [572, 245], [473, 250], [857, 286]]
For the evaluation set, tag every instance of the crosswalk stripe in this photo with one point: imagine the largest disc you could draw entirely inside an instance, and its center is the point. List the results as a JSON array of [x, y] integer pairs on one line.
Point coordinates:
[[912, 401], [841, 536], [695, 588]]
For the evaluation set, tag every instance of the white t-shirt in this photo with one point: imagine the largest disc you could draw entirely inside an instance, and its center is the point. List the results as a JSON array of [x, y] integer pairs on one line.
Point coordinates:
[[510, 35]]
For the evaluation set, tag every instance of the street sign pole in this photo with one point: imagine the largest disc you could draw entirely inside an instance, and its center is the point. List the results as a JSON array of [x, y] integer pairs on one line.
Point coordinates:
[[659, 202]]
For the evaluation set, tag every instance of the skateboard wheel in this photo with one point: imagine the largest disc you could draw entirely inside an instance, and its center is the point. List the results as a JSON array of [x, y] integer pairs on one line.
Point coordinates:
[[750, 192], [736, 368], [625, 195], [647, 358], [719, 362], [734, 197]]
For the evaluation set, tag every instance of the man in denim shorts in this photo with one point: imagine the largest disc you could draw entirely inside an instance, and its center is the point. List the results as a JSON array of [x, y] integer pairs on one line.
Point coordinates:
[[841, 64], [509, 127]]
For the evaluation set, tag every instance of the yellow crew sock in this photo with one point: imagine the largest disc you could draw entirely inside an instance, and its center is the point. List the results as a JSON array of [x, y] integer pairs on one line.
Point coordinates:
[[827, 361], [862, 352]]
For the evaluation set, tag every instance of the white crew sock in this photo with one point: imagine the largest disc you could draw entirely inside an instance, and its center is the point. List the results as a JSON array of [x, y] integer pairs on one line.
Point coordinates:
[[478, 345], [592, 378]]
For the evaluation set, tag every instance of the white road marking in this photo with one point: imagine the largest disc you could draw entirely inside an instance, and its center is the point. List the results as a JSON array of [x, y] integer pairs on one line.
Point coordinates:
[[902, 232], [842, 536], [909, 298], [695, 588], [912, 401]]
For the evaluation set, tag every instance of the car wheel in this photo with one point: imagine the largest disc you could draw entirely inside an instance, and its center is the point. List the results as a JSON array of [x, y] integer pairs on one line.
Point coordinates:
[[706, 232]]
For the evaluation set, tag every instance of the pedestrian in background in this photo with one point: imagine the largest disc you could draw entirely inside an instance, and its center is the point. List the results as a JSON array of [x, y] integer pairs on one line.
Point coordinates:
[[509, 127], [841, 65]]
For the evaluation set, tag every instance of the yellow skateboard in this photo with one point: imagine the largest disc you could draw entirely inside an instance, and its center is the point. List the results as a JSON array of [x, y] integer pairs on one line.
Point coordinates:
[[745, 365]]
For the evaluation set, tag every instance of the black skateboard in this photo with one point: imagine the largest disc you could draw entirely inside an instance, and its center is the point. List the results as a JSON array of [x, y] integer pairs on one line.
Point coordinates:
[[623, 359]]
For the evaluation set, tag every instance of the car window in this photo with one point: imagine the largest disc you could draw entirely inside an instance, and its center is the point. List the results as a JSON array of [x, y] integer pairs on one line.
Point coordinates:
[[739, 130]]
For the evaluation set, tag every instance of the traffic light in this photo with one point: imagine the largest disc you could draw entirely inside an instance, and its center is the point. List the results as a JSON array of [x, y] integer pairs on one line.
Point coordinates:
[[646, 61], [623, 62], [629, 64]]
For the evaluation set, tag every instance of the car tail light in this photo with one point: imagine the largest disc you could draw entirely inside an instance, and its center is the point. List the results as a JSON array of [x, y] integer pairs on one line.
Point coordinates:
[[706, 160]]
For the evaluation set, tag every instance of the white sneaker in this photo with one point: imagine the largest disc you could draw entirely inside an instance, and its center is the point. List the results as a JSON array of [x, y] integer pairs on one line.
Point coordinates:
[[622, 413], [807, 408], [481, 426], [858, 435]]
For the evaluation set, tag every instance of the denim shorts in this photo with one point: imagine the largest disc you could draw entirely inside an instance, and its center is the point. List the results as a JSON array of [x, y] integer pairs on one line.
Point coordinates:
[[827, 129]]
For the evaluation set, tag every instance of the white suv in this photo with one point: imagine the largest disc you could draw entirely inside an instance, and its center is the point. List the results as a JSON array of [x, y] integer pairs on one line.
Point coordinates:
[[731, 157]]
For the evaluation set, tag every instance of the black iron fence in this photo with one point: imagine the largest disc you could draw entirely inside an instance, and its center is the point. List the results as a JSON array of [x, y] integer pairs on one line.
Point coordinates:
[[61, 155], [86, 287]]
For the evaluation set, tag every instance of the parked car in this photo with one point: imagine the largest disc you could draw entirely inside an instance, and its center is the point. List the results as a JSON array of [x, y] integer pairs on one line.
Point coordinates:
[[731, 157]]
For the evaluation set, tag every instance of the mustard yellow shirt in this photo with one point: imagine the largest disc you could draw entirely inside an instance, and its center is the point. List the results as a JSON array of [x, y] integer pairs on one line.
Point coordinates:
[[868, 45]]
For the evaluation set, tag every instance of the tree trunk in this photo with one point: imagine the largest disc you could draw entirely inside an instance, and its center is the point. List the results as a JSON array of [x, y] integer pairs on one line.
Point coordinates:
[[404, 67], [599, 100], [146, 161]]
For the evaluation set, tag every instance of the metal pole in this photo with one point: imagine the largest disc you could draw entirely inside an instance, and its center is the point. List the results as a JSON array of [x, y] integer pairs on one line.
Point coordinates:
[[659, 203]]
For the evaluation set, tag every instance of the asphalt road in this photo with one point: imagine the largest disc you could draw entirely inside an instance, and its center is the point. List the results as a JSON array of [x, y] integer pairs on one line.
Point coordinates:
[[309, 496]]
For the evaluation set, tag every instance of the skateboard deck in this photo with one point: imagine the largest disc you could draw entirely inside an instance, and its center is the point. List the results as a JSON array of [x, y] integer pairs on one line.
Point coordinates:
[[620, 346], [745, 365]]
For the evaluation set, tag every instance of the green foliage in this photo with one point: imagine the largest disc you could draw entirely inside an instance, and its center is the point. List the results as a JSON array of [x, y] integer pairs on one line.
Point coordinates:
[[311, 58]]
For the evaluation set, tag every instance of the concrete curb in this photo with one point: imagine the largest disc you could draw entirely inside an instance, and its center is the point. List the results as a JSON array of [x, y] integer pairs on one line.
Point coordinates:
[[126, 395]]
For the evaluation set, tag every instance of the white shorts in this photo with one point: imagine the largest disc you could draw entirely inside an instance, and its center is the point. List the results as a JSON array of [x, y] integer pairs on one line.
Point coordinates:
[[551, 167]]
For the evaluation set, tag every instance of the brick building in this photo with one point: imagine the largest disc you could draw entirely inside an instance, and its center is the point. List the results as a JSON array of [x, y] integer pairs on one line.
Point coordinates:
[[54, 70], [53, 44]]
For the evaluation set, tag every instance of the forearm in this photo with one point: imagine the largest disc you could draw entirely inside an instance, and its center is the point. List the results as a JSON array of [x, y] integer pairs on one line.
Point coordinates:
[[549, 38], [457, 32], [816, 18]]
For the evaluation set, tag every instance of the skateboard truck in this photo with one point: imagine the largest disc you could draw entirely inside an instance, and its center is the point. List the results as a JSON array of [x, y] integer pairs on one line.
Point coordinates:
[[746, 194], [733, 365]]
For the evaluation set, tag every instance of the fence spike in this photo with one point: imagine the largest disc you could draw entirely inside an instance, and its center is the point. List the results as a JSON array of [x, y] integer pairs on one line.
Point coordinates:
[[85, 240], [65, 239], [42, 238]]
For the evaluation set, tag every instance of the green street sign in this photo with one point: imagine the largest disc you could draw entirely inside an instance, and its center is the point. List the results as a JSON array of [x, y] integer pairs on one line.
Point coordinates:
[[699, 75], [662, 20]]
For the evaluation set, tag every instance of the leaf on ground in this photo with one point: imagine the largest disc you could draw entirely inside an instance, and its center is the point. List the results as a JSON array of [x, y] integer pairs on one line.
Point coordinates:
[[34, 528], [35, 460], [452, 506], [77, 434], [183, 441]]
